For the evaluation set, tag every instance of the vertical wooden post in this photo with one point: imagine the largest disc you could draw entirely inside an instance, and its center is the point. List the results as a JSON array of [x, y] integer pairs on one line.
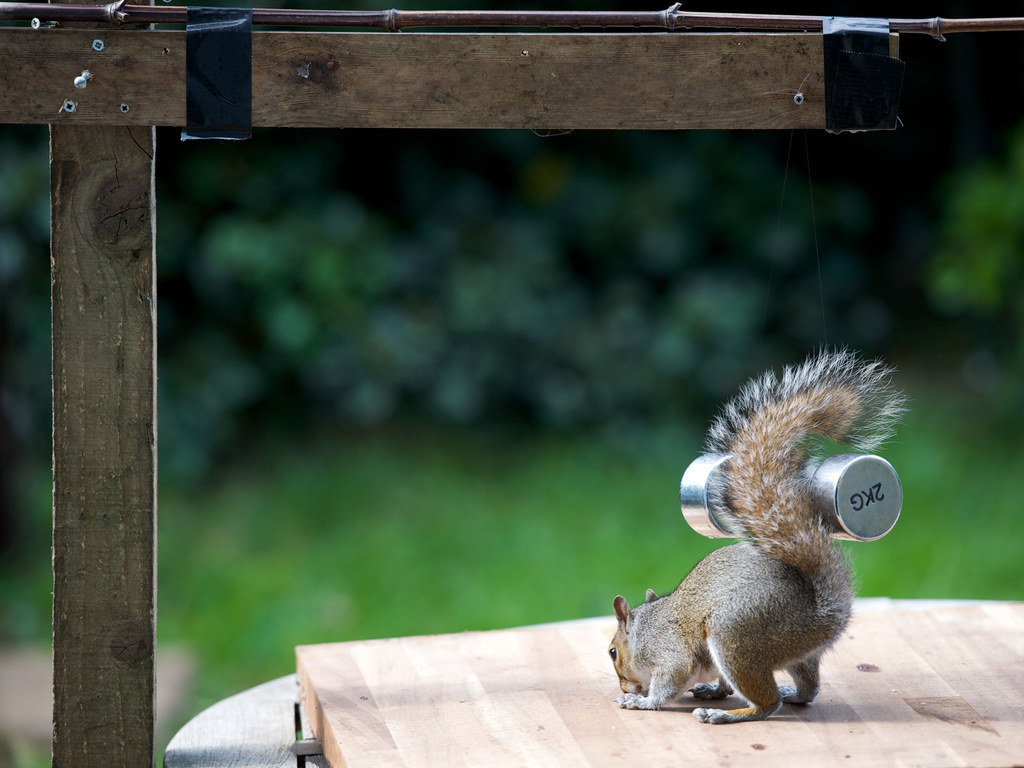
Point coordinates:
[[104, 444]]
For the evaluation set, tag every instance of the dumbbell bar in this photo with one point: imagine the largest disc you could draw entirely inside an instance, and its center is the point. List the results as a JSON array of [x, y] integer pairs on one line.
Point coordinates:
[[859, 496]]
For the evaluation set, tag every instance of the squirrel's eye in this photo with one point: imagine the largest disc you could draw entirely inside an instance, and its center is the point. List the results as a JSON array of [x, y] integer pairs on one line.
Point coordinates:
[[613, 653]]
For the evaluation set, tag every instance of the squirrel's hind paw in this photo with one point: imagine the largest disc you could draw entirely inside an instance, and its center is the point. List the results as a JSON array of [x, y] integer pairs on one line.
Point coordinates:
[[718, 716], [791, 695], [712, 715], [710, 691], [715, 716]]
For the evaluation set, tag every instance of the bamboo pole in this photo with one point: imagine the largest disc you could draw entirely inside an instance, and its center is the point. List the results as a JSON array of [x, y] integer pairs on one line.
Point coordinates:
[[672, 19]]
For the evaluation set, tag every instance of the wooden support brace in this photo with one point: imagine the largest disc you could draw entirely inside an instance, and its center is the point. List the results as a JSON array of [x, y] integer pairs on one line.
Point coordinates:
[[104, 445], [431, 80]]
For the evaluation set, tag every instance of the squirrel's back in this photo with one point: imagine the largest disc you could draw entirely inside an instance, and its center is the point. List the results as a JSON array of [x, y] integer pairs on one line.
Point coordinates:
[[765, 491]]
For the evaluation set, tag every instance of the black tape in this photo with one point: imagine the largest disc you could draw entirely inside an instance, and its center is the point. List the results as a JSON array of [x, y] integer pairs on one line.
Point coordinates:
[[863, 83], [218, 73]]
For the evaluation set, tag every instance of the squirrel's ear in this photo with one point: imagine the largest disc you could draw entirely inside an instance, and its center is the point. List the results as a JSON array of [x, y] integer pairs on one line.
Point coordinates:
[[651, 597], [622, 610]]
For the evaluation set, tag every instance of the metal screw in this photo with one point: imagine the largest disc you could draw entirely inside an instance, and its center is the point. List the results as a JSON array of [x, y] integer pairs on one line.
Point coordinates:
[[798, 99], [124, 109], [97, 45], [69, 106], [83, 79], [36, 23]]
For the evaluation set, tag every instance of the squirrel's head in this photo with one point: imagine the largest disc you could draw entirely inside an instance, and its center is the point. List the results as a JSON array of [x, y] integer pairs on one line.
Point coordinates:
[[632, 679]]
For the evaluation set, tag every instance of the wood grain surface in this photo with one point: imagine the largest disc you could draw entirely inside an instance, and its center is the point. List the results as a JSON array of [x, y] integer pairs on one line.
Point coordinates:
[[933, 687], [104, 444], [253, 729], [430, 80]]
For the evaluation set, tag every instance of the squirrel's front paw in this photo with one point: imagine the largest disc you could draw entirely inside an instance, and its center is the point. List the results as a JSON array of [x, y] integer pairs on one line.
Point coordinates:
[[635, 701]]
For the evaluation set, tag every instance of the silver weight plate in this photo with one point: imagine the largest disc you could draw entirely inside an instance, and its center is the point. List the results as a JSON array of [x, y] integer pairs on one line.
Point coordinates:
[[694, 495], [860, 495]]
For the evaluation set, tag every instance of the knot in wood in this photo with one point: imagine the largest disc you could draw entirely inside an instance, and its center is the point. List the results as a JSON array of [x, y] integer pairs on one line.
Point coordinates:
[[130, 645]]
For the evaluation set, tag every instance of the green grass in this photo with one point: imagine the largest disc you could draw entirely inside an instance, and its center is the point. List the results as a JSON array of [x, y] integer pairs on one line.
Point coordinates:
[[426, 530], [412, 532]]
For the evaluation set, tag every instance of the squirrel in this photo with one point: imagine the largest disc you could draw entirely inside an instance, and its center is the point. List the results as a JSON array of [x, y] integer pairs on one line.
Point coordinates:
[[781, 596]]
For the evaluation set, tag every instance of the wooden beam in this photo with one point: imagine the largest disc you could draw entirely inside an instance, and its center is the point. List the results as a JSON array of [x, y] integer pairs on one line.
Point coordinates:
[[104, 444], [431, 80]]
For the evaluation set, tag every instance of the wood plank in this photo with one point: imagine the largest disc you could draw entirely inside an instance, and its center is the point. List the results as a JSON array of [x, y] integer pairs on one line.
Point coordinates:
[[253, 729], [903, 687], [104, 444], [431, 80]]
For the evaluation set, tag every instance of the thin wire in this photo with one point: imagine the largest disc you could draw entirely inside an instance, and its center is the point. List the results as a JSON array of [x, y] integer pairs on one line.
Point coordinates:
[[814, 229], [775, 249]]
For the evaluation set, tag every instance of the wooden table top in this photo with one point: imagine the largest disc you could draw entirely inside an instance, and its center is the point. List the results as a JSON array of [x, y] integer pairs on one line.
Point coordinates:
[[937, 686]]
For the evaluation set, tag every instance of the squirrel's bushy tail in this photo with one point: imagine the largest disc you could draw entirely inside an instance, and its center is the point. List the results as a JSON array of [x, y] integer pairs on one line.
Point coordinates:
[[765, 427]]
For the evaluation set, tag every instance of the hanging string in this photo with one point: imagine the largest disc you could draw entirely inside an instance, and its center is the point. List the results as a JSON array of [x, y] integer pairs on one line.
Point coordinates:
[[778, 240], [814, 229]]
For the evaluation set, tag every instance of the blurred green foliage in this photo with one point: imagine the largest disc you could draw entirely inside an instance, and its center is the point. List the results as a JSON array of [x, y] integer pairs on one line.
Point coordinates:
[[617, 279], [24, 284], [977, 275], [568, 281]]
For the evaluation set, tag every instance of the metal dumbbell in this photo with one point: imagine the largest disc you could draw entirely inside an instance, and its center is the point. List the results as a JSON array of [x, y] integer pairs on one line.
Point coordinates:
[[859, 496]]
